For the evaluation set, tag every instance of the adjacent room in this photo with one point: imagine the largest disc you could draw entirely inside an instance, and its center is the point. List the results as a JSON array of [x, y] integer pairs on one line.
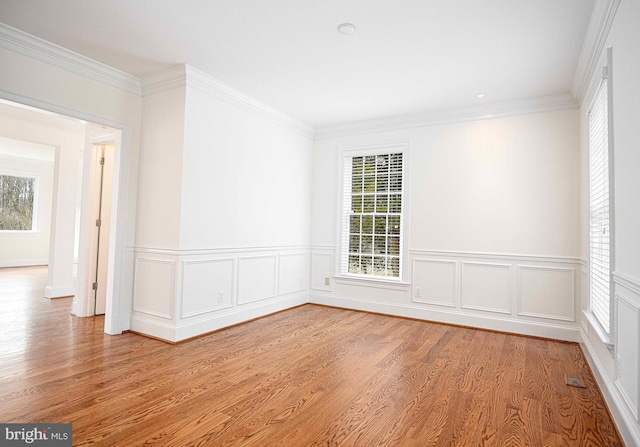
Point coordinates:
[[321, 222]]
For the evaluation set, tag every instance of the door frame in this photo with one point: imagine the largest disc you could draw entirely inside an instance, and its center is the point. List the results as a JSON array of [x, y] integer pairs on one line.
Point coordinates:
[[120, 281]]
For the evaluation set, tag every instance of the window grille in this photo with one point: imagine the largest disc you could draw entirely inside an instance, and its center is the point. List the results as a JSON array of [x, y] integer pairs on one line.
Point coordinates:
[[372, 215]]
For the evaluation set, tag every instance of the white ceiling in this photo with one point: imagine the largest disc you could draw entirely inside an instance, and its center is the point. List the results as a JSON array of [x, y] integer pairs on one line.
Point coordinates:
[[407, 56]]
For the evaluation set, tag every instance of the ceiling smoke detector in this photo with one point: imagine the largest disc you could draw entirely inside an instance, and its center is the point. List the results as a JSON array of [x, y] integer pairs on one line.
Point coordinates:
[[346, 28]]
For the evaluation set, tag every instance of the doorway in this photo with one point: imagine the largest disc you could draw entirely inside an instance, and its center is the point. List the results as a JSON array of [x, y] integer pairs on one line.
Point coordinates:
[[69, 135]]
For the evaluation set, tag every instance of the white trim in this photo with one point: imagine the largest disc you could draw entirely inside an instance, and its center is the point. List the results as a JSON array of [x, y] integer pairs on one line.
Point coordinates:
[[454, 282], [520, 268], [376, 282], [496, 110], [597, 327], [623, 417], [201, 327], [59, 292], [361, 150], [44, 51], [600, 23], [620, 279], [449, 316], [215, 251], [184, 75], [23, 262], [172, 291], [497, 256], [210, 309], [274, 290]]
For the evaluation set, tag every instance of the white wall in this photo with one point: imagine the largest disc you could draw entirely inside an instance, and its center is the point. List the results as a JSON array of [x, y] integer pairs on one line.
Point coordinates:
[[224, 208], [619, 369], [493, 216], [29, 248]]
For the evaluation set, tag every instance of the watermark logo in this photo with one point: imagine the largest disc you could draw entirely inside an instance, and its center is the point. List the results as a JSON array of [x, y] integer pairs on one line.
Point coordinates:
[[35, 435]]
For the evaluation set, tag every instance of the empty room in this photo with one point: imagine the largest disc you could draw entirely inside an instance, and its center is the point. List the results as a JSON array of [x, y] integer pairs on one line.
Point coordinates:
[[320, 223]]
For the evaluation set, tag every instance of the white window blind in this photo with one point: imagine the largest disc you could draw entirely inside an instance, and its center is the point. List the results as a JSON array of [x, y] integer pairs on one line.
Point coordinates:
[[372, 218], [599, 238]]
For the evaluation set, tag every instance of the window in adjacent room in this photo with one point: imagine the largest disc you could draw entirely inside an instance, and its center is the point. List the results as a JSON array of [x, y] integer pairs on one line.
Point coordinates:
[[600, 215], [373, 213], [17, 202]]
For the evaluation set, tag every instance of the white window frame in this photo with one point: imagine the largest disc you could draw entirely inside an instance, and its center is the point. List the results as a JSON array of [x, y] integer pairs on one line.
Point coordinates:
[[34, 214], [342, 274], [601, 301]]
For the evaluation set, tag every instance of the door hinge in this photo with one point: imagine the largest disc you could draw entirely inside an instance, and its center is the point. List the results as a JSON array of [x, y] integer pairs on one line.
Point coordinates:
[[102, 160], [98, 222], [94, 286]]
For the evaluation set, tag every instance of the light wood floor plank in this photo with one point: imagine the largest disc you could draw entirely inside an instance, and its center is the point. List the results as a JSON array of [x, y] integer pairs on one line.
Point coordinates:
[[309, 376]]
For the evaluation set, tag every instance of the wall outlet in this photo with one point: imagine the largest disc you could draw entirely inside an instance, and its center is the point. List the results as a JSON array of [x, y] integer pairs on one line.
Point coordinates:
[[418, 292], [221, 297], [327, 281]]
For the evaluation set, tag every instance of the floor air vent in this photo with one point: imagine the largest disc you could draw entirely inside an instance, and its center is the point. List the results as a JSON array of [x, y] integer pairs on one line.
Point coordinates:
[[574, 380]]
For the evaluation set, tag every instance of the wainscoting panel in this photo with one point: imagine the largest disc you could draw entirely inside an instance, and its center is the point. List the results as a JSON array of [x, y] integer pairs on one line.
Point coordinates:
[[547, 292], [207, 286], [214, 288], [154, 286], [486, 287], [293, 273], [256, 278], [627, 296], [434, 282], [321, 270], [525, 294]]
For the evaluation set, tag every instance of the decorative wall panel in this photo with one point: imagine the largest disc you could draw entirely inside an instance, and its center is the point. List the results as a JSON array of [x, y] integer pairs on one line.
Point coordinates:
[[486, 287], [293, 273], [207, 286], [154, 286], [256, 278], [547, 292], [434, 282]]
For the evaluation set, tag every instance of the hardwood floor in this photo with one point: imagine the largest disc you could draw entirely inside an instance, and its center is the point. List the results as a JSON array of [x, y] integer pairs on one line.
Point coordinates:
[[309, 376]]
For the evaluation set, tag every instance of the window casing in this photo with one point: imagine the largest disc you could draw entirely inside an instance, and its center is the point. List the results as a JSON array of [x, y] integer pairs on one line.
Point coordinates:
[[18, 198], [600, 215], [372, 233]]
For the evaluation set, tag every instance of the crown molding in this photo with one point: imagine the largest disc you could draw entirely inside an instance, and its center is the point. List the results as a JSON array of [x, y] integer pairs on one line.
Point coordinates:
[[36, 48], [165, 80], [600, 23], [538, 104], [184, 75]]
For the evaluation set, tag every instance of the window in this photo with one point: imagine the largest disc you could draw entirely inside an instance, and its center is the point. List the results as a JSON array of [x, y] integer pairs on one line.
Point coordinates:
[[17, 202], [372, 214], [599, 208]]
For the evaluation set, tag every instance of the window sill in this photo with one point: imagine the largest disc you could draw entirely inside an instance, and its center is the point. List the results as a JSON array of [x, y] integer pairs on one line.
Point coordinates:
[[602, 335], [378, 283]]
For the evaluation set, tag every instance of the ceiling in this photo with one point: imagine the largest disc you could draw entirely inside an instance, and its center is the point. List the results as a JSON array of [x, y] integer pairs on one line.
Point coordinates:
[[406, 56]]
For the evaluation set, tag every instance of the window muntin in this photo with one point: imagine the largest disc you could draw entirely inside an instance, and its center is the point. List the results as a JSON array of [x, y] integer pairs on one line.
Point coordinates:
[[17, 202], [373, 215]]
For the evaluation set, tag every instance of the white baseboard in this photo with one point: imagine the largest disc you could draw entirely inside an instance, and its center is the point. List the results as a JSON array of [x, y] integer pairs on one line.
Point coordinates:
[[23, 262], [171, 333], [625, 421], [452, 316], [59, 292]]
